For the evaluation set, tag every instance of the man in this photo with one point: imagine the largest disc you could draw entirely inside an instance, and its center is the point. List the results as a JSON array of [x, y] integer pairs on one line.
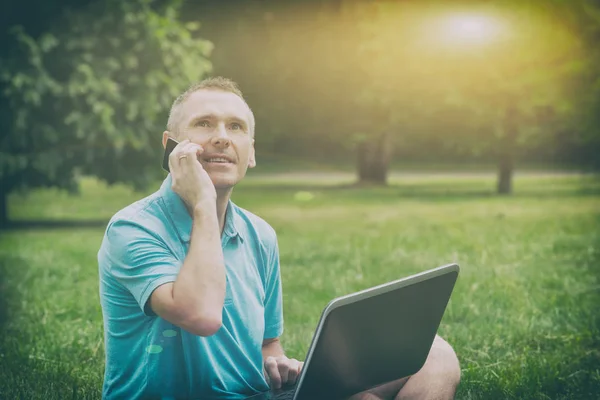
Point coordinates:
[[190, 284]]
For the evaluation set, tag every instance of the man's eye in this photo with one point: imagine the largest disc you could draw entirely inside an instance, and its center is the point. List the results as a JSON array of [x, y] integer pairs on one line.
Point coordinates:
[[203, 123], [236, 126]]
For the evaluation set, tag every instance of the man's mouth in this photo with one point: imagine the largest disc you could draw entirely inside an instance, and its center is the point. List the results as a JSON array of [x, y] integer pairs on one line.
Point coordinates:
[[218, 159]]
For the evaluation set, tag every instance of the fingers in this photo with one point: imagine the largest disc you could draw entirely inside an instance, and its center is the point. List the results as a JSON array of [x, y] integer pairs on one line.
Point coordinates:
[[273, 372], [284, 368], [184, 151], [191, 152], [282, 371], [173, 157], [294, 371]]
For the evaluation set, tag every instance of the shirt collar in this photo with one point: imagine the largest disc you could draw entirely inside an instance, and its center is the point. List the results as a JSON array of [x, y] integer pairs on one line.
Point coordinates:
[[183, 221]]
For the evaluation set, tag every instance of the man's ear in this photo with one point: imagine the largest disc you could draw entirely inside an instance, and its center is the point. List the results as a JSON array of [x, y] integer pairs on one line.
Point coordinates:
[[252, 158], [166, 135]]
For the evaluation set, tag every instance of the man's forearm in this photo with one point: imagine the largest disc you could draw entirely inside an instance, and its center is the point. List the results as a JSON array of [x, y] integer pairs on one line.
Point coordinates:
[[272, 348], [200, 285]]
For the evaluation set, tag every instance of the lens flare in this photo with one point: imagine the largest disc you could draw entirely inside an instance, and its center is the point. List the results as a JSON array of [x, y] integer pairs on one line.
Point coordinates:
[[464, 28]]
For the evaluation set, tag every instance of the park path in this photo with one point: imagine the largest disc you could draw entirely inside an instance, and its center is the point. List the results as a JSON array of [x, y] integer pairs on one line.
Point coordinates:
[[395, 176]]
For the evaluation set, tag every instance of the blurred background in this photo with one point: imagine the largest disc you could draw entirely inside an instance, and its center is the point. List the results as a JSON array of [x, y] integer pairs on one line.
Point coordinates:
[[360, 86], [391, 137]]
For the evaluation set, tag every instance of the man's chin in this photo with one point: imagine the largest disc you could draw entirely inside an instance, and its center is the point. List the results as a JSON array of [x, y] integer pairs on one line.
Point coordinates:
[[222, 183]]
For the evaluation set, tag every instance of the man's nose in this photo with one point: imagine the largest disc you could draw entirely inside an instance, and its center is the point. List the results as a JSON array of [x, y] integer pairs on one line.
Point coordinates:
[[220, 140]]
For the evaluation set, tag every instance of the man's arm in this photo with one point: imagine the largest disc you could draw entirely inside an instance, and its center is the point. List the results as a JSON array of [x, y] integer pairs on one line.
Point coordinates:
[[194, 301], [272, 348]]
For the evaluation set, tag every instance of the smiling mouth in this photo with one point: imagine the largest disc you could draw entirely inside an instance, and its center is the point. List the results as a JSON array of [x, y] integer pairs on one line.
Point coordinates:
[[217, 160]]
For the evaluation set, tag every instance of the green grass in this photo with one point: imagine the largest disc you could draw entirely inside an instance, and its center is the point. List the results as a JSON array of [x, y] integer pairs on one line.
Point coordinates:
[[524, 317]]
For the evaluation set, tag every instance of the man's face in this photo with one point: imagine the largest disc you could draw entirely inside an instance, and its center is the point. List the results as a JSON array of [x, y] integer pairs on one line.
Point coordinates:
[[220, 122]]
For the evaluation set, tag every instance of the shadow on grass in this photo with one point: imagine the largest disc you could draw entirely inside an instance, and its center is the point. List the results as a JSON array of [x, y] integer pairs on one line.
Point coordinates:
[[23, 376], [3, 295], [54, 224], [428, 191]]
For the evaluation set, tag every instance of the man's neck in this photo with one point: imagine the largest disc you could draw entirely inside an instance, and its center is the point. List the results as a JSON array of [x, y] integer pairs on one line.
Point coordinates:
[[222, 201]]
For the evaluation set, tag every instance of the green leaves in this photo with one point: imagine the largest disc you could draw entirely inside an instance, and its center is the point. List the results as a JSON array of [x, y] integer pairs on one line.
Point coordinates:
[[99, 82]]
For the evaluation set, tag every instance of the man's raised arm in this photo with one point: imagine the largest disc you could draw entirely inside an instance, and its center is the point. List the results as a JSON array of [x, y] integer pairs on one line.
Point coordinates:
[[194, 301]]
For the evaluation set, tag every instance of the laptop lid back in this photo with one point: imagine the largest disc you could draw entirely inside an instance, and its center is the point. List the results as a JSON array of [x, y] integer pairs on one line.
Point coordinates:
[[377, 335]]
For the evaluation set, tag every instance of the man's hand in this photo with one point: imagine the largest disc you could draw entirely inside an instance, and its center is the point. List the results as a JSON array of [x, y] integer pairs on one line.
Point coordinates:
[[190, 181], [282, 371]]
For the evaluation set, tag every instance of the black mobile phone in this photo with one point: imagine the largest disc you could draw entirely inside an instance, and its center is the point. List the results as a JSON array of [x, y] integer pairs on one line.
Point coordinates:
[[171, 143]]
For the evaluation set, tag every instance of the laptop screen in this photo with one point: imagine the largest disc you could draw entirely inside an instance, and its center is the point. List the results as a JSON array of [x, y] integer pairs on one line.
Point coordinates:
[[377, 339]]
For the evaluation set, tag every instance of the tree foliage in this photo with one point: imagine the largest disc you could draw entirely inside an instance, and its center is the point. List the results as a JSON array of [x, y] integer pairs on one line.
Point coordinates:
[[91, 94], [327, 80], [384, 79], [579, 136]]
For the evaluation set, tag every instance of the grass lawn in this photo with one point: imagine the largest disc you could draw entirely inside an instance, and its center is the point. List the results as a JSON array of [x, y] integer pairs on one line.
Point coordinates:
[[524, 318]]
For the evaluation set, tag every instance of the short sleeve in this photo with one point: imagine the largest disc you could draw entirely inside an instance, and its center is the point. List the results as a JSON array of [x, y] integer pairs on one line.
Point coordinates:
[[138, 260], [273, 295]]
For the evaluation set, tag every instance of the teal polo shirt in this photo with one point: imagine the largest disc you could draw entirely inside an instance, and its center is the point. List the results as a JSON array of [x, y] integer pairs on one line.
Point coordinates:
[[147, 357]]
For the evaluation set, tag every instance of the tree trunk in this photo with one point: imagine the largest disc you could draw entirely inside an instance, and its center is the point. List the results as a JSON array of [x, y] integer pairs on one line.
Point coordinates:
[[506, 151], [374, 159], [505, 172]]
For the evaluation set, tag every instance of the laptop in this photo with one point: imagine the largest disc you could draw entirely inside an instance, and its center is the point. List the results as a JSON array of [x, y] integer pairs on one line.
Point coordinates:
[[372, 337]]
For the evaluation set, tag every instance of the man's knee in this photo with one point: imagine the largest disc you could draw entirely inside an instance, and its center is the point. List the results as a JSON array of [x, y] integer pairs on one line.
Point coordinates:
[[444, 355]]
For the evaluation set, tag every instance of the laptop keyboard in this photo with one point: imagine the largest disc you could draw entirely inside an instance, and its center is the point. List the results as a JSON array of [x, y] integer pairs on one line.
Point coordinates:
[[280, 395], [287, 395]]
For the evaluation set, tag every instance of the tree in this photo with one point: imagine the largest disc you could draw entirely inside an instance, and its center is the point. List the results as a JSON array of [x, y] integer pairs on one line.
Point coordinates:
[[518, 90], [91, 94], [427, 72], [579, 138], [380, 80]]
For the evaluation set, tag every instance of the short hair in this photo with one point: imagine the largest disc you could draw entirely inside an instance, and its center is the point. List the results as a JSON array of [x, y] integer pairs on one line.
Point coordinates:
[[213, 83]]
